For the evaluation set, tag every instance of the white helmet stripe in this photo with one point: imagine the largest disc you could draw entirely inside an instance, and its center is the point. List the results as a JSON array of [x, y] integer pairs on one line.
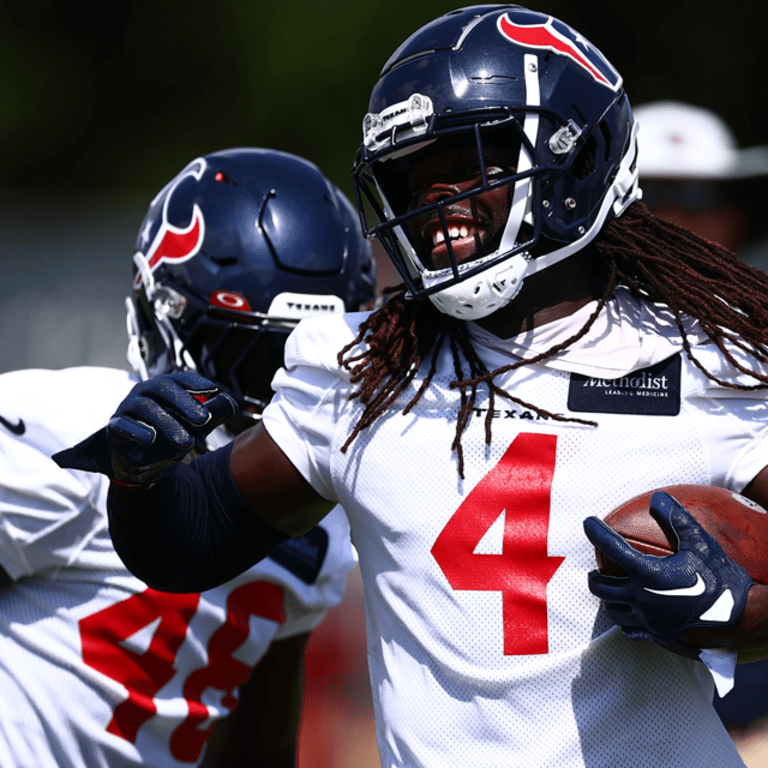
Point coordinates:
[[521, 199]]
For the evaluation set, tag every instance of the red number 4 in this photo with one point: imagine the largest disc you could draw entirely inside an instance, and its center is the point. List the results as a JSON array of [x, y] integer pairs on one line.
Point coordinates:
[[519, 486]]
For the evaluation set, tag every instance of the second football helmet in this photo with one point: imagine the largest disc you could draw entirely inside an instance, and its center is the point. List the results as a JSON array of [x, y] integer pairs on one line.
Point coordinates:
[[506, 77], [231, 254]]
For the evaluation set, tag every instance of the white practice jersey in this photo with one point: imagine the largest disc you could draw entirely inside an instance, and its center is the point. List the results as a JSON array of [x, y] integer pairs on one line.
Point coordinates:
[[96, 669], [486, 648]]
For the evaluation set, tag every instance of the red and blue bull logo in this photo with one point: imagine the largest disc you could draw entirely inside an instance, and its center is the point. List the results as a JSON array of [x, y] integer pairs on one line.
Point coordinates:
[[555, 36], [171, 243]]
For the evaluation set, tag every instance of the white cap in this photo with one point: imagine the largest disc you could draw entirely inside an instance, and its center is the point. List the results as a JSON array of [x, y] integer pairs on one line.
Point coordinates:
[[678, 140]]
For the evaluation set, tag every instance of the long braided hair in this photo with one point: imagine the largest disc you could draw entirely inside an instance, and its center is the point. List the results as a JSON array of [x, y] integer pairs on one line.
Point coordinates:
[[654, 259]]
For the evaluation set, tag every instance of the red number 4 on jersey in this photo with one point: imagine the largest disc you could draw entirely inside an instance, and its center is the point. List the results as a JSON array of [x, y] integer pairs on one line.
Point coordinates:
[[519, 486]]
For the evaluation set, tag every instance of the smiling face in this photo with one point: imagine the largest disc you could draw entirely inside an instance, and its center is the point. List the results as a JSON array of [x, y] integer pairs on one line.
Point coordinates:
[[475, 224]]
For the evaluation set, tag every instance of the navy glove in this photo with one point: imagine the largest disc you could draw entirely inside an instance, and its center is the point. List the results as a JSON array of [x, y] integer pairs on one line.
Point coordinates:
[[153, 429], [660, 598]]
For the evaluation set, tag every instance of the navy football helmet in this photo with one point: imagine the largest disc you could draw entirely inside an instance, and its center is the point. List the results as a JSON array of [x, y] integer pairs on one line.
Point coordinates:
[[231, 254], [506, 77]]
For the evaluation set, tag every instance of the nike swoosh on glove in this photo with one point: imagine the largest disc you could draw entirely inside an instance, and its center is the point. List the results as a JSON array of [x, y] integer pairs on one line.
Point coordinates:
[[660, 598], [153, 429]]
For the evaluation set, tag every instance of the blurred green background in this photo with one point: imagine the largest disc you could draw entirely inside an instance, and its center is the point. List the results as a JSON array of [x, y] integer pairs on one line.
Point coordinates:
[[101, 104], [119, 96]]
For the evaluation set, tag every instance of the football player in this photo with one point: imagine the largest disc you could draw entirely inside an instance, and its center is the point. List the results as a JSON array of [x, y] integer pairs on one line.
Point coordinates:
[[97, 669], [555, 350]]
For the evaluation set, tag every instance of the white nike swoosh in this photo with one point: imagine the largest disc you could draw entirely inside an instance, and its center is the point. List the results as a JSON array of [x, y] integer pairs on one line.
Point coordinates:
[[721, 610], [692, 591]]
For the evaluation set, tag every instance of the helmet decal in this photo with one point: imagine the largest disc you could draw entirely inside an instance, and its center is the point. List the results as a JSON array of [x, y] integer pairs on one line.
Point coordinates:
[[564, 41], [230, 300], [300, 305], [177, 244]]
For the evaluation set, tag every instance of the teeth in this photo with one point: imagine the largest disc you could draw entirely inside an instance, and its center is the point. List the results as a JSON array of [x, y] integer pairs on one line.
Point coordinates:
[[454, 233]]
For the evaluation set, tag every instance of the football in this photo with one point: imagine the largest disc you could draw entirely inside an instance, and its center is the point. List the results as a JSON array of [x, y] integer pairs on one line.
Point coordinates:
[[738, 524]]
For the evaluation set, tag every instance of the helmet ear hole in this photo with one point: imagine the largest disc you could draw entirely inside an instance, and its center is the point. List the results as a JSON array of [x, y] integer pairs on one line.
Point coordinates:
[[607, 141], [585, 161]]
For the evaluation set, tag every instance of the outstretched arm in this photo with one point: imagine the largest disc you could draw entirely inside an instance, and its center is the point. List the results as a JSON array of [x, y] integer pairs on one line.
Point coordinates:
[[187, 527], [272, 486]]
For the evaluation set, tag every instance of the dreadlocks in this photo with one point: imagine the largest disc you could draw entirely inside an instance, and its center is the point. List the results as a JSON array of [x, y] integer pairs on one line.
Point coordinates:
[[656, 260]]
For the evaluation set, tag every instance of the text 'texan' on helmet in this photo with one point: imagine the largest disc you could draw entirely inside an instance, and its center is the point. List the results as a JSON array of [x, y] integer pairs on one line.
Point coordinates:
[[493, 79]]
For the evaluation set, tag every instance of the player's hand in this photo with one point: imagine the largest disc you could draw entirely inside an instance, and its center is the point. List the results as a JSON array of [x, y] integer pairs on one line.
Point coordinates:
[[153, 429], [660, 598]]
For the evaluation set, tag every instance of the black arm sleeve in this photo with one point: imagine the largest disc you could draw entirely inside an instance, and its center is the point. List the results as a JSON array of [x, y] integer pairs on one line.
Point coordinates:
[[192, 530]]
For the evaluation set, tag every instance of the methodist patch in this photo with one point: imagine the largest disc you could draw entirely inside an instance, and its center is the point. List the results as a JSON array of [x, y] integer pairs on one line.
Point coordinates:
[[653, 391]]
